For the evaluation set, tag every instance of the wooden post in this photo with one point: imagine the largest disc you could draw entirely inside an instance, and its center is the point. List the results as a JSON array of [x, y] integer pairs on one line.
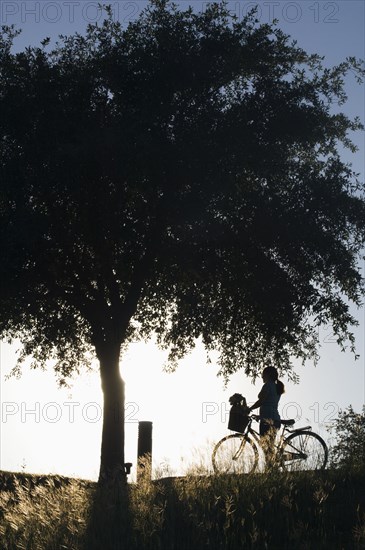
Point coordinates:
[[144, 460]]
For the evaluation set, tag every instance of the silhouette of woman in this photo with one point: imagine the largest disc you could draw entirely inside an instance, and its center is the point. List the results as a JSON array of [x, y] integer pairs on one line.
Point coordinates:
[[268, 400]]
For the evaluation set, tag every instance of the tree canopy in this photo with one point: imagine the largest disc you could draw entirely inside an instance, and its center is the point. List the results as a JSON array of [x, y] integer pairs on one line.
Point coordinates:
[[179, 177]]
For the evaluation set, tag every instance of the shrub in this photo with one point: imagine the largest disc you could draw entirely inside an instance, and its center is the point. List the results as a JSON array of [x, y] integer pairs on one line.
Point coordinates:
[[349, 448]]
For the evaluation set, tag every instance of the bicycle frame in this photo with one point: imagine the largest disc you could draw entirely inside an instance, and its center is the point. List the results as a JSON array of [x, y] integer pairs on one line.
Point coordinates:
[[278, 445]]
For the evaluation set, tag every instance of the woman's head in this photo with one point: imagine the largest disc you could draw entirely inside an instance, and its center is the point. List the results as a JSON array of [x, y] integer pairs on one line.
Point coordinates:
[[271, 374]]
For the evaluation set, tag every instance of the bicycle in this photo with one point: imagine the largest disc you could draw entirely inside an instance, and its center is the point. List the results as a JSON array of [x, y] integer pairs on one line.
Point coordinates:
[[297, 450]]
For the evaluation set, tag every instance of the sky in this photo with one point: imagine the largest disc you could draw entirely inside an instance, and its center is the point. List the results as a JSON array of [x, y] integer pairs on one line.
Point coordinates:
[[44, 429]]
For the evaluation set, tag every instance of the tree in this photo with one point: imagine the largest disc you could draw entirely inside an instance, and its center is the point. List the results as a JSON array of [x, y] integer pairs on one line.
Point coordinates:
[[349, 447], [180, 177]]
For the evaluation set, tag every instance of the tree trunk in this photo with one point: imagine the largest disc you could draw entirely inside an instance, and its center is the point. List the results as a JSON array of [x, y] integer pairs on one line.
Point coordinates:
[[112, 468]]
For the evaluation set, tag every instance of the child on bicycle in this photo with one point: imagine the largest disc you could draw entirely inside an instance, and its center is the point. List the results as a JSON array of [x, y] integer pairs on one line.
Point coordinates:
[[268, 400]]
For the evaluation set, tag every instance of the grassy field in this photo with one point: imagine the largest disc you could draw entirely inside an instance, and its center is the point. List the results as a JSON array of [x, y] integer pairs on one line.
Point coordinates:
[[303, 511]]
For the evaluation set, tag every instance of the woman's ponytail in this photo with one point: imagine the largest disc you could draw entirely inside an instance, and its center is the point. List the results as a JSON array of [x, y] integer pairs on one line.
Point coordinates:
[[280, 388]]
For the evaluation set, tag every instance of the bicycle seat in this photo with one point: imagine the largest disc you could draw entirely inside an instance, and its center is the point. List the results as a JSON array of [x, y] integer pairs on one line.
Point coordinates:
[[290, 422]]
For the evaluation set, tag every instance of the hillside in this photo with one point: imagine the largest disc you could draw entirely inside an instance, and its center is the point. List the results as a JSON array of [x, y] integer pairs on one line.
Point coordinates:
[[303, 511]]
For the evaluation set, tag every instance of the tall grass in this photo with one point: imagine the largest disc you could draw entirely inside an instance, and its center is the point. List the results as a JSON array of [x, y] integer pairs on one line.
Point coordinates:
[[289, 511], [42, 513]]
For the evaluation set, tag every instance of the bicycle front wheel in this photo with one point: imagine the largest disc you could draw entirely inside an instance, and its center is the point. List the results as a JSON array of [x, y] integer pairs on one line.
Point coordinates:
[[235, 454], [304, 450]]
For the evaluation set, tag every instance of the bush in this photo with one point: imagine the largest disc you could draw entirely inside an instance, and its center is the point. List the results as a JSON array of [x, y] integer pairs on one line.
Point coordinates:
[[349, 449]]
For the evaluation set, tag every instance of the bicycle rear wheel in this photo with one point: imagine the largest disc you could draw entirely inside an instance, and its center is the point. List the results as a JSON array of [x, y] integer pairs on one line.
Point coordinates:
[[235, 454], [304, 450]]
